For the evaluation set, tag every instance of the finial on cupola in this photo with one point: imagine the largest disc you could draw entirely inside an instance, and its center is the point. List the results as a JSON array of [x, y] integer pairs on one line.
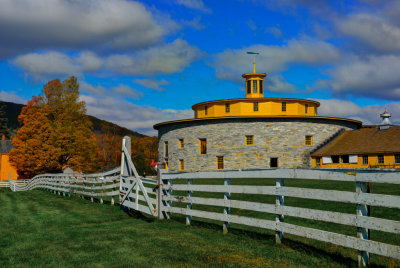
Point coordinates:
[[385, 124]]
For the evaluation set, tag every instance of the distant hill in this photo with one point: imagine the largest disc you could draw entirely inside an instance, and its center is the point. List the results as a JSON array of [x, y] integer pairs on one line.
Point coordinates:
[[99, 126]]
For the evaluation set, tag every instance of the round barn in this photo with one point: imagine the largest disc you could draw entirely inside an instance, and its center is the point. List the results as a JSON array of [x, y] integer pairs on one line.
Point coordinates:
[[249, 133]]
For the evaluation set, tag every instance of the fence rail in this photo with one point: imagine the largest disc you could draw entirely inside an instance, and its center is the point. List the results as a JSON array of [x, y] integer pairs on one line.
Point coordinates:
[[174, 184], [6, 184]]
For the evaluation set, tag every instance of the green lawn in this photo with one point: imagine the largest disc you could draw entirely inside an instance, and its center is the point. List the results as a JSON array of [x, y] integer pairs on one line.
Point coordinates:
[[38, 228]]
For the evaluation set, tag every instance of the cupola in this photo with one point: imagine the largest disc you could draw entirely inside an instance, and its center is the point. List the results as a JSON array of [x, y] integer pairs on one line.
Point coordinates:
[[385, 124], [254, 83]]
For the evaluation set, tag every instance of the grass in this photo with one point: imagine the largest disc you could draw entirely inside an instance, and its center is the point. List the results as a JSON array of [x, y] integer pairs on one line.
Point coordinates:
[[39, 229]]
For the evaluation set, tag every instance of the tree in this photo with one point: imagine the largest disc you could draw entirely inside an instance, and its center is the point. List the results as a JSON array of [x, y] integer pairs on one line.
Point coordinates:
[[144, 150], [3, 120], [109, 153], [55, 132]]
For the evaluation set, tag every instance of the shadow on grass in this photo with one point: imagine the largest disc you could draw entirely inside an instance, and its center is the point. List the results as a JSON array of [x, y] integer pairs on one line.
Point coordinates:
[[335, 257]]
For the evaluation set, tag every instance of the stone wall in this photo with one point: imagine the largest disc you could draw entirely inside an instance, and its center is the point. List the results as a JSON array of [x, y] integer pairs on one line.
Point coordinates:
[[281, 138]]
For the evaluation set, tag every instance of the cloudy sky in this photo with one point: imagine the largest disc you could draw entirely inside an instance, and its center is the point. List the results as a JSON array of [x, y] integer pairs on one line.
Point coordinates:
[[143, 62]]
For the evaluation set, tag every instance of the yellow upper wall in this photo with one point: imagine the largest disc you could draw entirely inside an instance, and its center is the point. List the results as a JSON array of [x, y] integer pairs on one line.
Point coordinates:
[[247, 107], [255, 104]]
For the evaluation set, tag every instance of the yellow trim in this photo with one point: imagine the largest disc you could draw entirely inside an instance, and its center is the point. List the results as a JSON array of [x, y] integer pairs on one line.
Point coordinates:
[[311, 118], [181, 165], [249, 140], [200, 146], [181, 144], [222, 162], [308, 140]]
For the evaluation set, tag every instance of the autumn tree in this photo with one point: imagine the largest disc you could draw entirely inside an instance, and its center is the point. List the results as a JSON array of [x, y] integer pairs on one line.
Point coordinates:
[[109, 150], [144, 150], [55, 132]]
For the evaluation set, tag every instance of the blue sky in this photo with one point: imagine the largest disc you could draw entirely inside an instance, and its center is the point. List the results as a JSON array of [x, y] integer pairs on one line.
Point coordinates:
[[143, 62]]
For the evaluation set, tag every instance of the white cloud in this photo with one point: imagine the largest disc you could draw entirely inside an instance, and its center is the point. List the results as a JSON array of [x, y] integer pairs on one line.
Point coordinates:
[[127, 91], [230, 64], [120, 91], [152, 84], [372, 31], [194, 23], [373, 76], [348, 109], [53, 64], [118, 24], [164, 59], [277, 83], [11, 97], [132, 116], [194, 4]]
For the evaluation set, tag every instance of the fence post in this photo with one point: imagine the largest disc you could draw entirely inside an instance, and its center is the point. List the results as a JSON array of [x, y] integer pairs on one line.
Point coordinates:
[[362, 233], [227, 206], [69, 186], [189, 204], [137, 196], [278, 217], [160, 192], [93, 191], [169, 194], [102, 189], [64, 185], [113, 189]]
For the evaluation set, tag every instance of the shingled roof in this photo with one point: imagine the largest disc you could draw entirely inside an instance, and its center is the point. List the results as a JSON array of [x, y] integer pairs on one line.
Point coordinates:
[[363, 141], [5, 146]]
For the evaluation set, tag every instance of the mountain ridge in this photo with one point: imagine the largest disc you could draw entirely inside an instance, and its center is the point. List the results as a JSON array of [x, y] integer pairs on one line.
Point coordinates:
[[100, 126]]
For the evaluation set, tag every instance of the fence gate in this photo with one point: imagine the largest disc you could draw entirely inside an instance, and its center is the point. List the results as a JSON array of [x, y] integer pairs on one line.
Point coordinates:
[[136, 192]]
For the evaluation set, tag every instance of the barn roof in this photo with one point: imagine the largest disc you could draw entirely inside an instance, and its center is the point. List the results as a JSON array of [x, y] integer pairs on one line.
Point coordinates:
[[363, 141], [5, 146]]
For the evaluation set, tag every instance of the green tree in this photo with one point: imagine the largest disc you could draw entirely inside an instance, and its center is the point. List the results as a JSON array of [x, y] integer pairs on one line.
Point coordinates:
[[55, 132]]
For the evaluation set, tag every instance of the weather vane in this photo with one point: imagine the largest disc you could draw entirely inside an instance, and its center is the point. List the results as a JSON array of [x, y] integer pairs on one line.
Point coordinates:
[[254, 60]]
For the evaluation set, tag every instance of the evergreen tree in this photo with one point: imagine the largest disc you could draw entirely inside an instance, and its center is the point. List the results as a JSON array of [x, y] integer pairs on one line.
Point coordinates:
[[3, 121]]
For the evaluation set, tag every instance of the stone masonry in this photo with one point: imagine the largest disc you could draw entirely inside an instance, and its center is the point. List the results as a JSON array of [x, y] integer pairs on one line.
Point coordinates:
[[283, 138]]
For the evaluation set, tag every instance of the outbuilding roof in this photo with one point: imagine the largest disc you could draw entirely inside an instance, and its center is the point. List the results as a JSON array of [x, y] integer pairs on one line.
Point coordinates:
[[5, 146], [365, 140]]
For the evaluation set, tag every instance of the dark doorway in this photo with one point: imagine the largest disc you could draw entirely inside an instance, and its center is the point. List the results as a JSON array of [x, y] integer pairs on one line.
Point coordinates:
[[274, 162]]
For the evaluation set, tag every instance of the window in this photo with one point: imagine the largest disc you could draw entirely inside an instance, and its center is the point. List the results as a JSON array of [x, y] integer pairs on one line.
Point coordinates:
[[345, 159], [181, 144], [365, 159], [166, 149], [205, 109], [166, 164], [255, 106], [283, 106], [203, 146], [397, 158], [227, 108], [220, 162], [249, 140], [318, 161], [181, 164], [381, 159], [273, 162], [254, 86], [335, 159], [308, 140], [261, 86], [248, 87], [306, 108]]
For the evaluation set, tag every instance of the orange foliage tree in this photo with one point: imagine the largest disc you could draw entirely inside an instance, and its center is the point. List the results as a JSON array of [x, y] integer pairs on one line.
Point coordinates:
[[55, 132], [109, 150], [144, 150]]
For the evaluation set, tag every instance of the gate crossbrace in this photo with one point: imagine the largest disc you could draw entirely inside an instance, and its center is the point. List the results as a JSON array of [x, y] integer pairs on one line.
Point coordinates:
[[137, 180]]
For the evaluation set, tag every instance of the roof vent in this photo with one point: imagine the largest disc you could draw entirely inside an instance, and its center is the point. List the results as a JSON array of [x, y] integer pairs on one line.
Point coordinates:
[[385, 120]]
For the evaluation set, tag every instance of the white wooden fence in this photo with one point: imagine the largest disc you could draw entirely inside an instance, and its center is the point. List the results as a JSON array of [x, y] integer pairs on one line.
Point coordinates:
[[6, 184], [157, 198], [360, 198], [97, 185]]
